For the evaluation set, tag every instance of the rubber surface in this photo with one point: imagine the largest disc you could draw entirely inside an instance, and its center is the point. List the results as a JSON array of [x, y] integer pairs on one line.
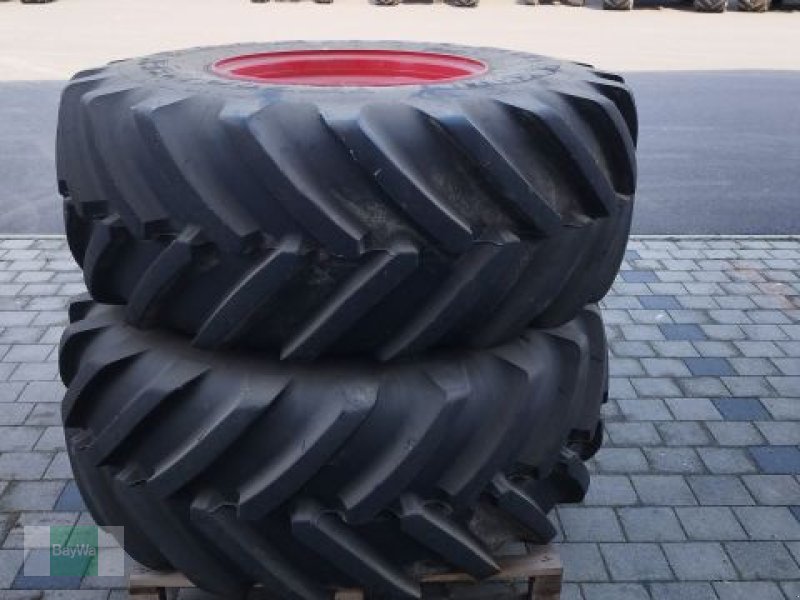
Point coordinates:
[[235, 469], [618, 4], [753, 5], [315, 221], [716, 6]]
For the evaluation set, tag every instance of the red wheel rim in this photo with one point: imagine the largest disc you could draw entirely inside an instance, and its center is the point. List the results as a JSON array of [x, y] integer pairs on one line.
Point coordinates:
[[349, 67]]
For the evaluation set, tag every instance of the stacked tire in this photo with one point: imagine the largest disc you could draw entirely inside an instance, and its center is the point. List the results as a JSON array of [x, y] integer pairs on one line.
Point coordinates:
[[341, 327]]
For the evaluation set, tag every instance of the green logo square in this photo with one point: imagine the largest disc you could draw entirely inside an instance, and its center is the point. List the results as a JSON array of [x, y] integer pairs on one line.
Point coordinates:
[[73, 551]]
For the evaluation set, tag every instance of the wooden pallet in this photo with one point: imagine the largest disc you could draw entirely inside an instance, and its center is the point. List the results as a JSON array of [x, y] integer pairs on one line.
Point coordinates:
[[541, 568]]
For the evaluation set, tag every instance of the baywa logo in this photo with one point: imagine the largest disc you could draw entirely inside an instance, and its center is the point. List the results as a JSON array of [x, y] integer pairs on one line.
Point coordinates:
[[74, 551]]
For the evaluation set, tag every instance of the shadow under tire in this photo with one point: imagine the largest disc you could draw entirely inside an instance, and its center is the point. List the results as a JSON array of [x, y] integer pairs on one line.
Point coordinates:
[[311, 221], [236, 469]]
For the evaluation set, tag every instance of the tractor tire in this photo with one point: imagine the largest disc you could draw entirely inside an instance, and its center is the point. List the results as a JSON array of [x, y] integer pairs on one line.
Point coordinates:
[[576, 3], [237, 469], [711, 6], [386, 2], [305, 221], [753, 5], [463, 3], [618, 4]]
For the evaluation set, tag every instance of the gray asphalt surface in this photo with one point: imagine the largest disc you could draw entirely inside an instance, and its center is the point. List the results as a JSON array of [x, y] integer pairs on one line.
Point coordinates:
[[719, 152]]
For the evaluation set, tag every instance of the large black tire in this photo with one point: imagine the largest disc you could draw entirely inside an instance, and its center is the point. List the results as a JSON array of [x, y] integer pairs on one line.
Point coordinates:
[[237, 469], [618, 4], [753, 5], [310, 221], [711, 6]]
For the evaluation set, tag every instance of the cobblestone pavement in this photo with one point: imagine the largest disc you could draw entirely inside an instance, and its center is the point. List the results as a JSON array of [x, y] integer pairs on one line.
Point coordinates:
[[695, 495]]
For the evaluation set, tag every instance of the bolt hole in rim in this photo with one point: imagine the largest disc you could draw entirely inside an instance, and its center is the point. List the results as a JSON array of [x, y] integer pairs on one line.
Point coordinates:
[[332, 68]]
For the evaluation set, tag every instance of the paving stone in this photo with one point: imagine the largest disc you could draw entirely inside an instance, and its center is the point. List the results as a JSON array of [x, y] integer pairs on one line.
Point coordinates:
[[70, 499], [719, 490], [693, 409], [702, 387], [783, 408], [43, 391], [16, 538], [730, 317], [723, 461], [684, 315], [735, 434], [710, 523], [763, 560], [777, 460], [582, 562], [625, 367], [636, 562], [699, 561], [7, 521], [59, 467], [620, 460], [35, 372], [14, 413], [788, 366], [610, 490], [773, 489], [633, 434], [753, 366], [747, 590], [762, 332], [18, 438], [30, 495], [10, 562], [682, 331], [664, 367], [651, 409], [651, 524], [741, 409], [614, 591], [620, 387], [641, 332], [786, 386], [659, 302], [708, 366], [780, 433], [682, 591], [794, 549], [674, 349], [674, 460], [769, 522], [631, 349], [52, 439], [27, 353], [721, 332], [748, 386], [590, 525], [697, 301], [9, 392], [649, 317], [655, 387], [714, 348], [762, 349], [663, 490], [42, 414], [639, 276], [683, 433], [23, 465]]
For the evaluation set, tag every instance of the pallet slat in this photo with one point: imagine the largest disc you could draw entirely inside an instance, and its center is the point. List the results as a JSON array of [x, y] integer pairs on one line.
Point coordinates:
[[541, 566]]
